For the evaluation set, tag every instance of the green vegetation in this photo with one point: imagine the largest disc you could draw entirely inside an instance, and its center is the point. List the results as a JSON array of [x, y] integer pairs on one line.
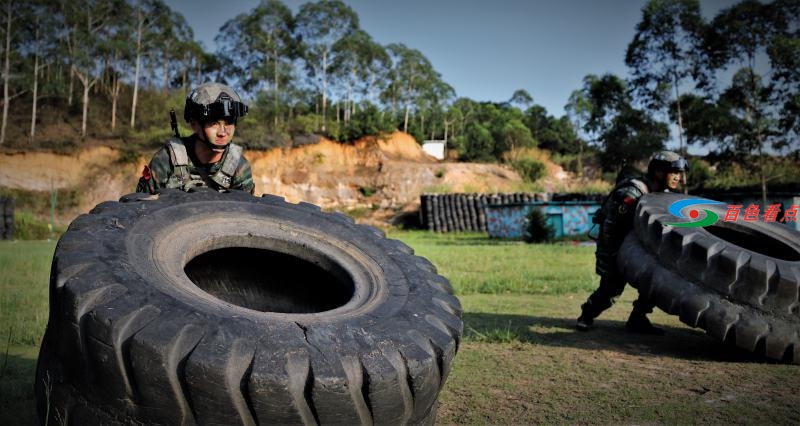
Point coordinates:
[[685, 69], [529, 168], [520, 360], [537, 230]]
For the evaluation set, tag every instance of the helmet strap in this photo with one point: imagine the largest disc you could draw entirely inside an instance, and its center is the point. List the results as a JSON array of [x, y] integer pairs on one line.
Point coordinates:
[[211, 146]]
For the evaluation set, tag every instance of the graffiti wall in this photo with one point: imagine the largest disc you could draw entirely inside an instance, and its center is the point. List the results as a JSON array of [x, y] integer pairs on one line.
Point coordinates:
[[567, 218]]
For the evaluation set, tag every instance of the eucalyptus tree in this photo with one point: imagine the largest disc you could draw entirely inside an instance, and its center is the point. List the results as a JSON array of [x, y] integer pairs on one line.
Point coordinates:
[[521, 99], [578, 109], [10, 16], [362, 68], [171, 45], [664, 53], [118, 53], [319, 26], [151, 22], [88, 25], [258, 47], [412, 78], [41, 45]]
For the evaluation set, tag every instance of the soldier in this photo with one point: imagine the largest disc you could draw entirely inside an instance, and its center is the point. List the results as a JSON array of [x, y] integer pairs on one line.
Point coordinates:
[[207, 157], [665, 173]]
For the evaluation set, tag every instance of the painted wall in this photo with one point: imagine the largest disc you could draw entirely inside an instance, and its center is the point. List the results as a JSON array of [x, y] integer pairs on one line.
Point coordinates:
[[568, 218]]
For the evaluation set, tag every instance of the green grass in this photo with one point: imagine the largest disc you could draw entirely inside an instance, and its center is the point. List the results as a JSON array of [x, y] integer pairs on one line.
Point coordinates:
[[520, 360], [476, 264], [24, 290], [25, 267]]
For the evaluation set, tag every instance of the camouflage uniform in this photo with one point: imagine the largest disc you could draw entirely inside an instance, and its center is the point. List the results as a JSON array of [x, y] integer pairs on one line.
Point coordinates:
[[176, 164], [163, 172], [618, 211], [616, 216]]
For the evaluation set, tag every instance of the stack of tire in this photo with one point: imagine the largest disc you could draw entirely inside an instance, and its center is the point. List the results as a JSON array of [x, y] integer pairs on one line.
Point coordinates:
[[6, 218], [737, 280], [224, 308], [465, 212]]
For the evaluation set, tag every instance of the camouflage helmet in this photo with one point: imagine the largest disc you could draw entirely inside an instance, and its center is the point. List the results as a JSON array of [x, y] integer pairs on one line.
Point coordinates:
[[666, 161], [213, 101]]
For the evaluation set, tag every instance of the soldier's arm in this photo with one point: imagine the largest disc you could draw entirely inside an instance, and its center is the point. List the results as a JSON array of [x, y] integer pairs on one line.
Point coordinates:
[[619, 219], [243, 178], [156, 173]]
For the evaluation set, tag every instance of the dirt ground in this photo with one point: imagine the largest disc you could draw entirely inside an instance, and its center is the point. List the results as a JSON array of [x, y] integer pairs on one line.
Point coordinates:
[[382, 176]]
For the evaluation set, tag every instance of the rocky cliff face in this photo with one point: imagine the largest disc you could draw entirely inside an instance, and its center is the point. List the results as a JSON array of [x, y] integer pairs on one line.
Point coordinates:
[[386, 174]]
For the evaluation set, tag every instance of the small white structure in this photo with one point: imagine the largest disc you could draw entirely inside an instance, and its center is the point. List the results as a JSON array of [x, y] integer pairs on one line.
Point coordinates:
[[434, 148]]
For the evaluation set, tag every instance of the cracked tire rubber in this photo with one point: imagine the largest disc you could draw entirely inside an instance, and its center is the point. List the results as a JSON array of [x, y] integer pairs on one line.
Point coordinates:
[[224, 308], [738, 281]]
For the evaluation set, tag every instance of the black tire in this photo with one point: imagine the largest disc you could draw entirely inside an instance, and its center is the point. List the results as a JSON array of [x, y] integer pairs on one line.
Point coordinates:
[[291, 315], [738, 281]]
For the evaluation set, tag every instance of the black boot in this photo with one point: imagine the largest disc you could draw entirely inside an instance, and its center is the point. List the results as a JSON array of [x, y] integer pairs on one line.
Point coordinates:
[[638, 323], [584, 322]]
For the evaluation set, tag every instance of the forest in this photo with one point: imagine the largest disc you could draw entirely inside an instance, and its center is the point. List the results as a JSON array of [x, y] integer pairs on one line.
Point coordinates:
[[78, 72]]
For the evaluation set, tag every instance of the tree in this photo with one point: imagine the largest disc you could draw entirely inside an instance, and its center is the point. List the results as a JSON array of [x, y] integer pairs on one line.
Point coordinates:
[[259, 47], [150, 19], [88, 25], [412, 77], [625, 133], [521, 99], [516, 135], [578, 110], [10, 13], [784, 55], [362, 67], [664, 53], [319, 26], [735, 38]]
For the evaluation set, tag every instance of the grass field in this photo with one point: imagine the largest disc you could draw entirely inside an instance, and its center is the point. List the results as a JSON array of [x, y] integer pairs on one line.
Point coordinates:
[[520, 361]]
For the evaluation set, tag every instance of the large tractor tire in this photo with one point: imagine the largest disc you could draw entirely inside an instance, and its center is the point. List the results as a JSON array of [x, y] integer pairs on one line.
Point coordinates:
[[739, 281], [224, 308]]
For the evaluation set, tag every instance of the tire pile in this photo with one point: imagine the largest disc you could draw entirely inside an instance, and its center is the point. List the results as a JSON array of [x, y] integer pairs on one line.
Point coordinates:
[[6, 218], [465, 212]]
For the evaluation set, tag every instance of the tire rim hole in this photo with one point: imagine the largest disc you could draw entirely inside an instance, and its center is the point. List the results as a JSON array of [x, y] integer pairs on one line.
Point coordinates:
[[755, 241], [269, 281]]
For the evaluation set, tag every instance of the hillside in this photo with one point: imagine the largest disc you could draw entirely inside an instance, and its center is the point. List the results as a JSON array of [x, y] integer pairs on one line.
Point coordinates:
[[381, 177]]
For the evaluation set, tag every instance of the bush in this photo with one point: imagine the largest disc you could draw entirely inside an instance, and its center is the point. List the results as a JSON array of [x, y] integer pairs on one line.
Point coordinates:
[[28, 227], [530, 169], [537, 230]]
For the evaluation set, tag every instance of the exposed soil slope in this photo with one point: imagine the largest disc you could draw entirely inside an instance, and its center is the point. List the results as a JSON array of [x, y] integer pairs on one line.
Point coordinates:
[[387, 174]]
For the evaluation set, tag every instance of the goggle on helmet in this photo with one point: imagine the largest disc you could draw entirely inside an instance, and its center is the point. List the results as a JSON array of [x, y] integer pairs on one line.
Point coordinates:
[[667, 160], [212, 102]]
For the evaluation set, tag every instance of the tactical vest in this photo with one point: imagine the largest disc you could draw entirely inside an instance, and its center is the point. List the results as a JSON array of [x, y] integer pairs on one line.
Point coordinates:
[[183, 178]]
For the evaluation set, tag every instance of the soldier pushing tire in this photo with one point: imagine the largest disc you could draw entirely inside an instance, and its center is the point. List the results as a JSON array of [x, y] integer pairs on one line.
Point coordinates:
[[211, 307], [737, 280]]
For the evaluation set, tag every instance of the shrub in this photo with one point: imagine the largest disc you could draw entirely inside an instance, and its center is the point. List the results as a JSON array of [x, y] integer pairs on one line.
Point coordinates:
[[530, 169], [537, 230], [28, 227]]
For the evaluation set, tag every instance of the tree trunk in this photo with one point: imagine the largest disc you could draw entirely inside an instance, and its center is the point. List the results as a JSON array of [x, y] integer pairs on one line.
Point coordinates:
[[275, 120], [35, 83], [6, 72], [405, 120], [87, 86], [324, 87], [138, 69]]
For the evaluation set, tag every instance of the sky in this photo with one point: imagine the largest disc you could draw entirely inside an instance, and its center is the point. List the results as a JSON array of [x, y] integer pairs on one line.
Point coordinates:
[[485, 49]]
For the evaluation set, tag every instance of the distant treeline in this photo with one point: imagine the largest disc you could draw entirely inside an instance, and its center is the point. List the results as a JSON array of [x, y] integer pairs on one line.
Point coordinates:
[[112, 69]]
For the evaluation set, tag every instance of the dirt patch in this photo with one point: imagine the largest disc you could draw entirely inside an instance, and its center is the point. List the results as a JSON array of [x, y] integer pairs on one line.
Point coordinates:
[[381, 174]]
